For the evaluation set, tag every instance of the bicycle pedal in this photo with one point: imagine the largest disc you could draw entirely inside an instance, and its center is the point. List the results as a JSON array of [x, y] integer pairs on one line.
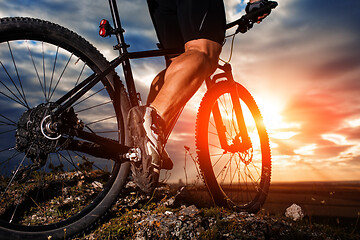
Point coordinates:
[[134, 155]]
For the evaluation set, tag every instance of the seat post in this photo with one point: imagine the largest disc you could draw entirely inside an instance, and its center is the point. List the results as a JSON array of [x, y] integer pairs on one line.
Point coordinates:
[[117, 25], [122, 47]]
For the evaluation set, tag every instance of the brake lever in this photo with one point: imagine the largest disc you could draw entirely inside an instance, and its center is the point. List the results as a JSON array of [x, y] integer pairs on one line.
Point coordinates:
[[247, 21], [253, 16]]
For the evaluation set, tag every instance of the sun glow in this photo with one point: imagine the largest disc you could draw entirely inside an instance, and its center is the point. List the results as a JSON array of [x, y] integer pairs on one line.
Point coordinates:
[[272, 112], [284, 135], [306, 150]]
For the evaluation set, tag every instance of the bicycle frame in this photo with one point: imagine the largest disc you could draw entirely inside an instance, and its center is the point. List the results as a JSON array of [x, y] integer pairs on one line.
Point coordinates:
[[124, 58], [56, 145], [113, 148], [244, 22]]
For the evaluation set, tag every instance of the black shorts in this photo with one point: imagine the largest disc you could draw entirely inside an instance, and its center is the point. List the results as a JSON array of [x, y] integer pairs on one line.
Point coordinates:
[[179, 21]]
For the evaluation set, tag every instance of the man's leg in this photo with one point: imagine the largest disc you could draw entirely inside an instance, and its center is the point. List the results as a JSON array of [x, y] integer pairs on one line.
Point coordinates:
[[185, 75], [147, 124], [155, 87]]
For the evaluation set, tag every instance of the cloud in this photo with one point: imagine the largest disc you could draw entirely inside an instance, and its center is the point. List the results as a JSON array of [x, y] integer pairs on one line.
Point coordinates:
[[352, 133], [303, 57], [84, 17], [317, 114]]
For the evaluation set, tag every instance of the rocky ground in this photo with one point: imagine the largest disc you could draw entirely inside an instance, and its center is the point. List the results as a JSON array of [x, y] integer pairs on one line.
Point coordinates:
[[172, 214]]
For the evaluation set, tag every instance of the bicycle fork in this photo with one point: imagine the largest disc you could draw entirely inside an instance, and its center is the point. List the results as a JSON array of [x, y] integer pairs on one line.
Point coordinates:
[[241, 142]]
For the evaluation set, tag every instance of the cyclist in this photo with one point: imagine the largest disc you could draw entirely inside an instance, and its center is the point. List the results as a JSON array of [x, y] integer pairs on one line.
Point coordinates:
[[197, 26]]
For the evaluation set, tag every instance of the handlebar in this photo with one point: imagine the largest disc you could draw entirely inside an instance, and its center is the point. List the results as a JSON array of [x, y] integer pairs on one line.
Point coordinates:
[[246, 22]]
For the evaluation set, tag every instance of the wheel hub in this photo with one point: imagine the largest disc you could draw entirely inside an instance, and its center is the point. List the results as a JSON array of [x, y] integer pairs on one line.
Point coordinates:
[[247, 156], [35, 134], [244, 151]]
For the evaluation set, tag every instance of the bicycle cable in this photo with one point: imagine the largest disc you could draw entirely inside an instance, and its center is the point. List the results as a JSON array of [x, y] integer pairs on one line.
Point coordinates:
[[231, 48]]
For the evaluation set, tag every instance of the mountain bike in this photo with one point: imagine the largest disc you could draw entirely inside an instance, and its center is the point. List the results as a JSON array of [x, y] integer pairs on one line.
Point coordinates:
[[65, 151]]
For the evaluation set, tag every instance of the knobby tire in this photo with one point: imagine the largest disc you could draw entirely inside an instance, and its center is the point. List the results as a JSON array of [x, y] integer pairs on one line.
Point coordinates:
[[236, 180], [72, 57]]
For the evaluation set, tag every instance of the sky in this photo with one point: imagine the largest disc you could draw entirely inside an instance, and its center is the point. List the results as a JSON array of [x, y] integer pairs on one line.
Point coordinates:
[[301, 64]]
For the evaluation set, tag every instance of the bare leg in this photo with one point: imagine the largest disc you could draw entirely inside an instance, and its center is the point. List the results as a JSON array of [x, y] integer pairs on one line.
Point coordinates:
[[155, 87], [185, 75]]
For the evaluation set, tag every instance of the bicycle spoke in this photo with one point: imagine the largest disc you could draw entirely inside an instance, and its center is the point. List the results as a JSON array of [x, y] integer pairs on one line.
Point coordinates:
[[256, 168], [250, 176], [212, 145], [222, 169], [11, 130], [19, 102], [247, 186], [36, 71], [53, 71], [245, 181], [228, 164], [81, 72], [61, 75], [100, 120], [92, 107], [77, 81], [14, 174], [212, 124], [17, 99], [43, 58], [215, 134], [18, 76], [15, 154], [237, 173], [94, 164], [17, 205], [218, 154], [214, 165], [88, 97], [6, 149], [71, 161], [12, 123]]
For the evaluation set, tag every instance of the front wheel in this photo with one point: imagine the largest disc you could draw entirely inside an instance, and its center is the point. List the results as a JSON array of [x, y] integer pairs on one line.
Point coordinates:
[[238, 178]]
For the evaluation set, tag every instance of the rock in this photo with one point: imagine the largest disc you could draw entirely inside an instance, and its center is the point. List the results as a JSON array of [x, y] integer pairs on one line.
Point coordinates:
[[190, 211], [169, 215], [294, 212], [97, 185]]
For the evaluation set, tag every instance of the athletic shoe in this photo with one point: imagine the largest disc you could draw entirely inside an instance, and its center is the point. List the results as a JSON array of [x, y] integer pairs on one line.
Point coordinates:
[[146, 129]]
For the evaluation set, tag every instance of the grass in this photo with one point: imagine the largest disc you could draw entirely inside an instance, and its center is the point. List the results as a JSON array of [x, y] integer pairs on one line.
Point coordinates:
[[212, 223], [165, 216]]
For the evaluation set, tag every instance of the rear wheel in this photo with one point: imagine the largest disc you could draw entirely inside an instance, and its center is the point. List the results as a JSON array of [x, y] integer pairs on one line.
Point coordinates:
[[51, 184], [236, 178]]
